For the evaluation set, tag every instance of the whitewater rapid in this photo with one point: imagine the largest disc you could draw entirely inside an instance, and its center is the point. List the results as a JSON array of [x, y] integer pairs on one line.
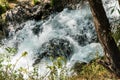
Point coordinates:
[[74, 26]]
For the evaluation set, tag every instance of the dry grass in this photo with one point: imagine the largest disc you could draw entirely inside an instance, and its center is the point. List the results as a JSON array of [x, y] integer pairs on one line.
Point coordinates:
[[93, 71]]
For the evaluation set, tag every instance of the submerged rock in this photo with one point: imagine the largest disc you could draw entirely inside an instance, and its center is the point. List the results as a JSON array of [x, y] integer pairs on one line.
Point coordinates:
[[55, 48], [37, 29], [81, 39]]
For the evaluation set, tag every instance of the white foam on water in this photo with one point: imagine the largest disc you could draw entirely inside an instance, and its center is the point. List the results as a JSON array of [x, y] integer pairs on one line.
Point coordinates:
[[109, 5]]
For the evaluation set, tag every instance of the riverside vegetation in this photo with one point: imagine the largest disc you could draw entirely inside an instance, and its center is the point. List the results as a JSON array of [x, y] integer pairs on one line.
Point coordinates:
[[91, 71]]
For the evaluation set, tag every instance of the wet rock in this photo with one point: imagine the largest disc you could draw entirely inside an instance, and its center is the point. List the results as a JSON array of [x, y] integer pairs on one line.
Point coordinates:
[[86, 35], [59, 5], [81, 39], [37, 29], [3, 29], [20, 13], [25, 11], [55, 48]]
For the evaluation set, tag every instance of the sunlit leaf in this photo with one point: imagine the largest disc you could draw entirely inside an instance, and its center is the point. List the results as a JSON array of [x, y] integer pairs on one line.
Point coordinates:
[[112, 10], [118, 11], [11, 50], [9, 65], [24, 54]]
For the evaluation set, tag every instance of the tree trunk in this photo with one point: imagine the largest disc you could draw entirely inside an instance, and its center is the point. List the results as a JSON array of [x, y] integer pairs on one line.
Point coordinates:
[[119, 2], [103, 30]]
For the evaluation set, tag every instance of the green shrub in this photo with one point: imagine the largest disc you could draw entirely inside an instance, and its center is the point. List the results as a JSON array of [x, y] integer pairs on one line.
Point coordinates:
[[35, 2], [2, 9], [8, 72], [52, 2], [3, 6], [58, 70]]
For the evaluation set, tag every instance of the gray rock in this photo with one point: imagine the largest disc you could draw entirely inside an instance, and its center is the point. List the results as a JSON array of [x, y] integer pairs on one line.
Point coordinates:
[[55, 48], [24, 11]]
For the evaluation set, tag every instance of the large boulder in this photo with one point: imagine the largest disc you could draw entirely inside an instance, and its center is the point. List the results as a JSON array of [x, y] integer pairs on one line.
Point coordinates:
[[55, 48]]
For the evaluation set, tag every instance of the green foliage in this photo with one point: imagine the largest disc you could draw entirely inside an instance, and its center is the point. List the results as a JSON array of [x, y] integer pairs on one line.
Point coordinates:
[[2, 9], [118, 11], [3, 6], [52, 2], [7, 71], [11, 50], [114, 8], [58, 70], [35, 1], [24, 54], [55, 3], [93, 68], [116, 36]]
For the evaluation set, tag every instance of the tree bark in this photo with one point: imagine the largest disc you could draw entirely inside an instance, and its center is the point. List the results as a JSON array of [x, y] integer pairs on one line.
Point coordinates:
[[103, 30], [119, 2]]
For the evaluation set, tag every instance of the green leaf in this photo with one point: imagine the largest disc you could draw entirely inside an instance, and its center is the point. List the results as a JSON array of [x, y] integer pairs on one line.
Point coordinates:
[[118, 11], [112, 10], [11, 50], [111, 7], [36, 1], [24, 54]]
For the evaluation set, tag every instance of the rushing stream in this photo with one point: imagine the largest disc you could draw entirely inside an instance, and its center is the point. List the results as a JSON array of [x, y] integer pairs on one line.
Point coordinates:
[[69, 33]]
